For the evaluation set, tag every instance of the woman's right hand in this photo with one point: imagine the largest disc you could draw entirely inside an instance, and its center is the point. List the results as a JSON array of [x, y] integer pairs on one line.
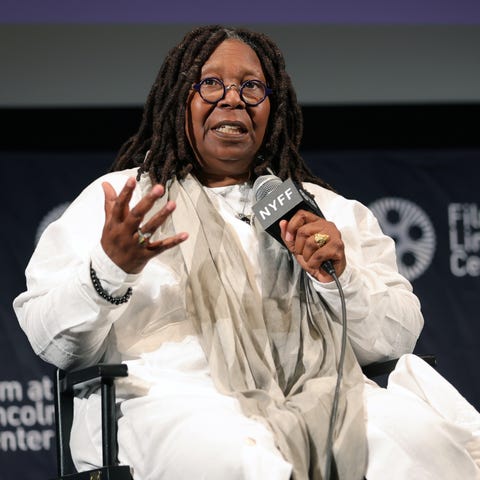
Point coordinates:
[[120, 238]]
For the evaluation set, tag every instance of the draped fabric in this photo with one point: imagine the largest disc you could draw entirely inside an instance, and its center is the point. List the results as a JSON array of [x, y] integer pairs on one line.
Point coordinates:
[[276, 350]]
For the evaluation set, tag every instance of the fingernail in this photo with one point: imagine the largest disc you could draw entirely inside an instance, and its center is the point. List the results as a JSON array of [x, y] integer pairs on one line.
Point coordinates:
[[170, 206], [289, 237], [157, 190]]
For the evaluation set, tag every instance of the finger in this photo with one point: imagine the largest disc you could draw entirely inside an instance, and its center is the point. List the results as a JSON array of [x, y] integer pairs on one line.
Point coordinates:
[[287, 237], [301, 218], [299, 229], [311, 248], [144, 205], [334, 251], [305, 243], [289, 230], [314, 264], [120, 208], [159, 218], [110, 197], [161, 245]]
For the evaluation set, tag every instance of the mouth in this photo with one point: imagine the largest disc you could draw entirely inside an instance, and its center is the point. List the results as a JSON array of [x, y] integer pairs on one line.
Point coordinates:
[[230, 128]]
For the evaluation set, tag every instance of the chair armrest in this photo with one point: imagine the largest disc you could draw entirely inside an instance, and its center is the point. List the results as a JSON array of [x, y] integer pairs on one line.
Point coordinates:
[[102, 372], [383, 368]]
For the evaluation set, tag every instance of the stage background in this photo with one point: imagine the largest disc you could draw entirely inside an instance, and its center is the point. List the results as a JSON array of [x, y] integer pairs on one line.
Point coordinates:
[[390, 92], [427, 199]]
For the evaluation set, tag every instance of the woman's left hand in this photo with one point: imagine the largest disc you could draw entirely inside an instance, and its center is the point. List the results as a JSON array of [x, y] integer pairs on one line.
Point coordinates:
[[298, 235]]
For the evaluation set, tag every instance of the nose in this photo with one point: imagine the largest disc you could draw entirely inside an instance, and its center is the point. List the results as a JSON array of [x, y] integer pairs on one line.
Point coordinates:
[[232, 96]]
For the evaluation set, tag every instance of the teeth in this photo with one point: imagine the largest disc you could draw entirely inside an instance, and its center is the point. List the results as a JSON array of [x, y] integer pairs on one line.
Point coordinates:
[[229, 129]]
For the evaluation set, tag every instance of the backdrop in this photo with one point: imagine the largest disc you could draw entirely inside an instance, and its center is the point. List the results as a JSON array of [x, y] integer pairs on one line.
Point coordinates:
[[428, 201]]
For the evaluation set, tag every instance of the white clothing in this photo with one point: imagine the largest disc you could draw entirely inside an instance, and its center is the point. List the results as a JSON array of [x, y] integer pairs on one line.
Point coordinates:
[[70, 325], [384, 317], [184, 423], [420, 427]]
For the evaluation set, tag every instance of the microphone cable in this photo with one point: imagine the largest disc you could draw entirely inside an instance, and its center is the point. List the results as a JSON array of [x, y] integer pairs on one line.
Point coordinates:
[[328, 267]]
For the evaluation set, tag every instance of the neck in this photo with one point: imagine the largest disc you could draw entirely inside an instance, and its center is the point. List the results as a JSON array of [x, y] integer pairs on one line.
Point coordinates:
[[210, 180]]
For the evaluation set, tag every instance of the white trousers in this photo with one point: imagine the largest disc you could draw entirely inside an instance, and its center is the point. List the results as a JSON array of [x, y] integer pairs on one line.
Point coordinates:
[[420, 427]]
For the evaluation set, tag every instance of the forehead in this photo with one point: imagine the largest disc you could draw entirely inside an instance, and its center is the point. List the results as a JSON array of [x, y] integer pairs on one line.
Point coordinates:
[[235, 57]]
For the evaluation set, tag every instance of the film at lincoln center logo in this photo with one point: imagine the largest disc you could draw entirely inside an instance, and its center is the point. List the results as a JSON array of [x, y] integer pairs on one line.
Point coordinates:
[[412, 231]]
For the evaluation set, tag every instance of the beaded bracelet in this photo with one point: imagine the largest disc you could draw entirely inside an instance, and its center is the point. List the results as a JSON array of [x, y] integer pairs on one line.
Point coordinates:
[[104, 294]]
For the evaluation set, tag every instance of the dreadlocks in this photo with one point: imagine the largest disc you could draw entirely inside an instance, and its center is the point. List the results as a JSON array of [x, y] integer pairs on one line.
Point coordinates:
[[162, 129]]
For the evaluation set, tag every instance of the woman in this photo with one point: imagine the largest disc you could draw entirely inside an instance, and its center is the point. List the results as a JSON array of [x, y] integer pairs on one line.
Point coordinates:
[[232, 340]]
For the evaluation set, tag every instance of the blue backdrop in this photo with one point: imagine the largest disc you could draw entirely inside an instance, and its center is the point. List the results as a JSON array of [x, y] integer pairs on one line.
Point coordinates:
[[427, 200]]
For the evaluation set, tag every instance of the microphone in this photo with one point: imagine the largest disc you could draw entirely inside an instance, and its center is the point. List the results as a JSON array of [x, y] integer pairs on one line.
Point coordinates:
[[277, 200]]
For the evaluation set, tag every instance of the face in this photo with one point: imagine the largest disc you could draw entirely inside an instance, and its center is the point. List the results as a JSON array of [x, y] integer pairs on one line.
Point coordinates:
[[226, 136]]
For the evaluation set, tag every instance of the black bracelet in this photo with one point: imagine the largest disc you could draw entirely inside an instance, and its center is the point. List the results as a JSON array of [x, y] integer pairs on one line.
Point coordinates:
[[104, 294]]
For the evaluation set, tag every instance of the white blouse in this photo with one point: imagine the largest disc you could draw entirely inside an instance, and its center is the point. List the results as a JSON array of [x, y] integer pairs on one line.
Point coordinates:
[[70, 325]]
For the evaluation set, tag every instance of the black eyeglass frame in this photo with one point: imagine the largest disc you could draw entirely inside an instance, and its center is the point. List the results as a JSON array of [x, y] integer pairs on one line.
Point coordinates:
[[197, 86]]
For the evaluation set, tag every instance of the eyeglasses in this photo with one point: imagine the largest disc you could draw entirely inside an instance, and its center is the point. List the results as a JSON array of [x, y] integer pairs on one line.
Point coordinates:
[[252, 92]]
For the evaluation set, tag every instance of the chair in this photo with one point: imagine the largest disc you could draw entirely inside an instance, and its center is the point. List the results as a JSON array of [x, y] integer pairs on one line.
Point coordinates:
[[377, 369], [65, 385]]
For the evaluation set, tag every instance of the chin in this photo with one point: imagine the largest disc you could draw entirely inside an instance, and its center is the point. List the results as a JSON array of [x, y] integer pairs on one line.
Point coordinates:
[[236, 155]]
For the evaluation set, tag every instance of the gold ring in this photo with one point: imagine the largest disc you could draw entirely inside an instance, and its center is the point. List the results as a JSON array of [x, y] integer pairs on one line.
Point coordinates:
[[143, 237], [321, 239]]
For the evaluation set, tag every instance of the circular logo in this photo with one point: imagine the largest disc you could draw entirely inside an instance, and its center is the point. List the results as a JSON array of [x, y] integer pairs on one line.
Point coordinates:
[[412, 231], [50, 217]]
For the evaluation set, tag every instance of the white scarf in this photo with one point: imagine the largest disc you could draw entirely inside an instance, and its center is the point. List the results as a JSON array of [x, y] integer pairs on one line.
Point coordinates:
[[277, 353]]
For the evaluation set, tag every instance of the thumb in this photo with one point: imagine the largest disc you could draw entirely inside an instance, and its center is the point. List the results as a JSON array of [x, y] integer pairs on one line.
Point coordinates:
[[287, 237]]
